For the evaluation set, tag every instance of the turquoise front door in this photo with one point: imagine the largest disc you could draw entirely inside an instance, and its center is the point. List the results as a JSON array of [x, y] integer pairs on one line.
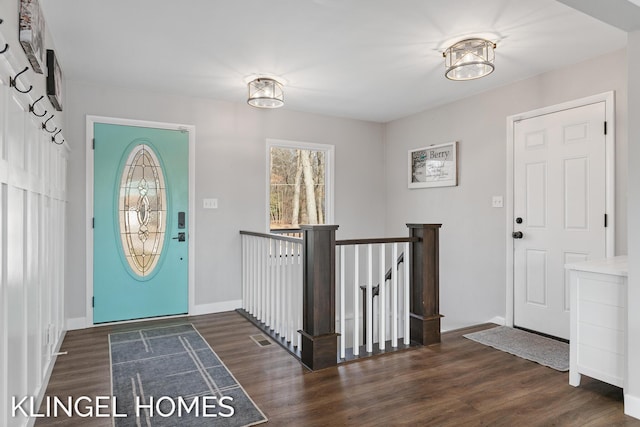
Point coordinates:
[[140, 235]]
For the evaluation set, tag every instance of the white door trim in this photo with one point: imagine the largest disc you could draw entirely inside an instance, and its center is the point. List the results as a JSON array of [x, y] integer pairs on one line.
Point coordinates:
[[90, 121], [329, 150], [609, 99]]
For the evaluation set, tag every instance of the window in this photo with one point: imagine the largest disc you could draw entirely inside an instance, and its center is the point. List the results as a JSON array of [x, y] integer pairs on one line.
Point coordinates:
[[300, 184]]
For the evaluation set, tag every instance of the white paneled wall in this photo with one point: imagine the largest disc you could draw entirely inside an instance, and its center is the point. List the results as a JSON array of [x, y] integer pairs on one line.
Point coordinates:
[[32, 246]]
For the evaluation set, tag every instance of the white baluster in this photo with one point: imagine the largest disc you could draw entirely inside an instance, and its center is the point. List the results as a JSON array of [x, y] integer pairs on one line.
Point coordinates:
[[243, 251], [276, 286], [265, 279], [294, 302], [260, 277], [343, 322], [252, 265], [407, 289], [286, 293], [298, 300], [255, 262], [382, 301], [356, 301], [279, 284], [266, 249], [273, 255], [280, 305], [394, 295], [248, 268], [369, 298]]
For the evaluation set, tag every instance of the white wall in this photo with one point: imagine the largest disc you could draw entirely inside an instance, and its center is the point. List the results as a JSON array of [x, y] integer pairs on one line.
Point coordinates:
[[632, 388], [32, 211], [230, 166], [472, 238]]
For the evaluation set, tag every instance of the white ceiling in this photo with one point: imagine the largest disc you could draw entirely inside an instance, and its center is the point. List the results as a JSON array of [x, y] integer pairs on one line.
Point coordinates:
[[375, 60]]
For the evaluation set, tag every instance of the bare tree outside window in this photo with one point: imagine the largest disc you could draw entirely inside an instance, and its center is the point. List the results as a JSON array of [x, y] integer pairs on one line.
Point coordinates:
[[297, 187]]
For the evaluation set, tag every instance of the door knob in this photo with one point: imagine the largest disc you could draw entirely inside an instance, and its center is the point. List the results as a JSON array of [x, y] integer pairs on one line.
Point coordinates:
[[181, 237], [517, 235]]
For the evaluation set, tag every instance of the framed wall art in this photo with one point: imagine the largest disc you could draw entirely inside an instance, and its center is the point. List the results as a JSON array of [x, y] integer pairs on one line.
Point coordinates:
[[54, 80], [31, 29], [434, 166]]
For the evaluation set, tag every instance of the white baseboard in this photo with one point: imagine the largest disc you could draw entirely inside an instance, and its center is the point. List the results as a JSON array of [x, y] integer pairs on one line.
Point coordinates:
[[632, 406], [216, 307], [76, 323], [498, 320]]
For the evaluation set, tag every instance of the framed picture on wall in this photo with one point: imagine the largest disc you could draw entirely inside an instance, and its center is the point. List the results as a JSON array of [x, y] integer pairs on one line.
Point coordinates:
[[54, 80], [434, 166], [31, 35]]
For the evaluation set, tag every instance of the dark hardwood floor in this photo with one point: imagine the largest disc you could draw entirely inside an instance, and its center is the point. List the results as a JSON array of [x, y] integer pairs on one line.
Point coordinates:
[[456, 383]]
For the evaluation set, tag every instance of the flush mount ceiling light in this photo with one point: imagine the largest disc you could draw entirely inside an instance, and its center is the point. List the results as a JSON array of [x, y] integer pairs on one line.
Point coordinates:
[[469, 59], [265, 93]]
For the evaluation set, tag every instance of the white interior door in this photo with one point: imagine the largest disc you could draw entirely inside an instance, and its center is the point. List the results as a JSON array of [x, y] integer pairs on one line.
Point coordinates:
[[559, 207]]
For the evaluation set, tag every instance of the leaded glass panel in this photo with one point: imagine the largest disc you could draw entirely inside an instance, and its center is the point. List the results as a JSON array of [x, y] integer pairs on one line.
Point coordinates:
[[142, 210]]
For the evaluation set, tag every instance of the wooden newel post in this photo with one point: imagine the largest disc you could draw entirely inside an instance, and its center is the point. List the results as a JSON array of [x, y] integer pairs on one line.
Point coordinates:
[[424, 320], [319, 338]]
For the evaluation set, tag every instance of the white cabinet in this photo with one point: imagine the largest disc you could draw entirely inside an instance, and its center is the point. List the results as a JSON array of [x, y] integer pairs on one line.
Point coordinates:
[[598, 320]]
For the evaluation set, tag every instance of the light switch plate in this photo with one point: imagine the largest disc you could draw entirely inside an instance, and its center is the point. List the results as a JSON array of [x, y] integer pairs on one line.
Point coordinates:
[[210, 203], [497, 202]]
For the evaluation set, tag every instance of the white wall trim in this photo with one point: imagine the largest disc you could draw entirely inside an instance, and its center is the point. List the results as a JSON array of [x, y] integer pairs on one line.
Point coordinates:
[[90, 121], [329, 150], [76, 323], [632, 406], [609, 99], [498, 320], [215, 307], [196, 310]]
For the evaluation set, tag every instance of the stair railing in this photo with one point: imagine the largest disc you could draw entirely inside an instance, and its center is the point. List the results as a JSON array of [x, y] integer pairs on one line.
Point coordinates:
[[272, 284], [393, 324], [289, 287]]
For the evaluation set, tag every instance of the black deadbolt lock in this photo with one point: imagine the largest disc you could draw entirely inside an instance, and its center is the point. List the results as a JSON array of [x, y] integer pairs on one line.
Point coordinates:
[[518, 220]]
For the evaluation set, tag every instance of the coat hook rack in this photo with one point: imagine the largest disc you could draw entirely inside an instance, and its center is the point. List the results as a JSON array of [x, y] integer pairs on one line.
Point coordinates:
[[6, 46], [44, 125], [13, 81], [32, 108], [53, 138]]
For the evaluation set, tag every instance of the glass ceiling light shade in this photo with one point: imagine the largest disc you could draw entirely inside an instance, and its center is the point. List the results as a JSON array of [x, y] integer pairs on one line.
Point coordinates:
[[469, 59], [265, 93]]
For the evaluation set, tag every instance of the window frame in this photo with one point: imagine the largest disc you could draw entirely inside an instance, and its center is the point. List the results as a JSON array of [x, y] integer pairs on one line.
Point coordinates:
[[329, 153]]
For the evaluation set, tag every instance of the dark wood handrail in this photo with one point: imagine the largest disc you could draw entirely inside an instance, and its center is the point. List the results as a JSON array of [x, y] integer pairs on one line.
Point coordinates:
[[272, 236], [377, 241]]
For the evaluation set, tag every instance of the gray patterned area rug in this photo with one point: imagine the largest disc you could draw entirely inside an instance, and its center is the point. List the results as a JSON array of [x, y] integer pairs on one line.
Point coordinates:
[[169, 376], [543, 350]]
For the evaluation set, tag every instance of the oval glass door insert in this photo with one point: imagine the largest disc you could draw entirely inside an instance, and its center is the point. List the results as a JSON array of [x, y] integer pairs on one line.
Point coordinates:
[[142, 210]]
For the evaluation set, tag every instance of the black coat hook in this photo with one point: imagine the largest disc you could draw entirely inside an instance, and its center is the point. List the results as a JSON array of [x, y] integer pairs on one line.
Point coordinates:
[[6, 46], [13, 81], [53, 138], [44, 125], [32, 106]]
